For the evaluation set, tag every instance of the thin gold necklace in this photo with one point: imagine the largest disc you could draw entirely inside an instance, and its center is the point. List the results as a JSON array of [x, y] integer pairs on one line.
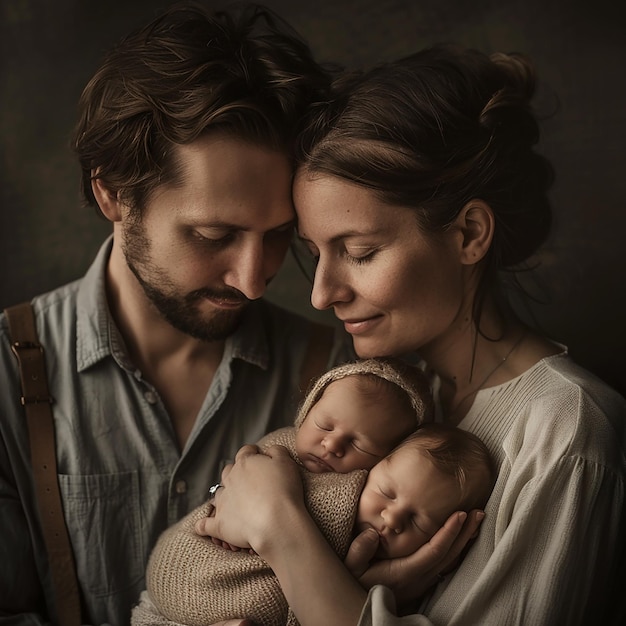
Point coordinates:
[[490, 374]]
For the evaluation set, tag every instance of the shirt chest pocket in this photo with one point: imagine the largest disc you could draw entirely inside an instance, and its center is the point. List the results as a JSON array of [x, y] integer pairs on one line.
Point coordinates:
[[103, 516]]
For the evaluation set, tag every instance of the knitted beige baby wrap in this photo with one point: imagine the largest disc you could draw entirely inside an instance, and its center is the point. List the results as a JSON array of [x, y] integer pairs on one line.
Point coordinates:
[[194, 582]]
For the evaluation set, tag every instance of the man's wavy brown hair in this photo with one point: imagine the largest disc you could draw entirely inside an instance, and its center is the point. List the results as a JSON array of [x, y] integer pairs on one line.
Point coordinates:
[[189, 72]]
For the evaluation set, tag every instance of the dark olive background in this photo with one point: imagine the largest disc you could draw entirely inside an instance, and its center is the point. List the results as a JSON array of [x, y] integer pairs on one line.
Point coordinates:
[[50, 48]]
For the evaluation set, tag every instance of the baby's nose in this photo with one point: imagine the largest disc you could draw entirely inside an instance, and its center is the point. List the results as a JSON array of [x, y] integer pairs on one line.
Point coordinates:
[[334, 445]]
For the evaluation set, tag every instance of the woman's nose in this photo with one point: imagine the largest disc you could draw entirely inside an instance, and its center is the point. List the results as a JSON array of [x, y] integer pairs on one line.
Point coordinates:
[[329, 287]]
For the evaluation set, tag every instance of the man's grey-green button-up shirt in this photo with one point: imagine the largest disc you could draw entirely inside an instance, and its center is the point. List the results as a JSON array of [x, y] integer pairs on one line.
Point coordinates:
[[122, 477]]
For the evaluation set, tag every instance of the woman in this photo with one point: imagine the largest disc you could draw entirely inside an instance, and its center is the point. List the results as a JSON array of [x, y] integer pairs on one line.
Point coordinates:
[[418, 188]]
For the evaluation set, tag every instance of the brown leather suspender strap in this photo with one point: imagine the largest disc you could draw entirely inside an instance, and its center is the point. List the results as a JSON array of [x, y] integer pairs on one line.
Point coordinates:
[[37, 404]]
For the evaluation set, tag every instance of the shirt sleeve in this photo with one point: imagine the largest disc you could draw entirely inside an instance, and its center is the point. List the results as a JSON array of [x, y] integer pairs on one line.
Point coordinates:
[[21, 594]]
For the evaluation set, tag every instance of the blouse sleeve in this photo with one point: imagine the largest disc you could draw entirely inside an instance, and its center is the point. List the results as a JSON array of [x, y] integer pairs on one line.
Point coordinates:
[[557, 561], [380, 610], [551, 549], [554, 559]]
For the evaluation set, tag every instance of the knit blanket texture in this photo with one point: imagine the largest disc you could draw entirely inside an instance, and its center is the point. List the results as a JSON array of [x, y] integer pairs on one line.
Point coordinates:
[[192, 581]]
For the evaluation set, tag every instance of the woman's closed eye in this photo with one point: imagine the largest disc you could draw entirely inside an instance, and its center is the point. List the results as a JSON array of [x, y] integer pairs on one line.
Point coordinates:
[[359, 254]]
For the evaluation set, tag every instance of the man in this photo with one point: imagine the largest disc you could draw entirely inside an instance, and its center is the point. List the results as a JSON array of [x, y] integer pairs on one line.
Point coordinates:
[[163, 359]]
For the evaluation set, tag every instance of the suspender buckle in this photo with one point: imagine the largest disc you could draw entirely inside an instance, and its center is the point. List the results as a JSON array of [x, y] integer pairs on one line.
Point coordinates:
[[36, 400], [18, 346], [29, 365]]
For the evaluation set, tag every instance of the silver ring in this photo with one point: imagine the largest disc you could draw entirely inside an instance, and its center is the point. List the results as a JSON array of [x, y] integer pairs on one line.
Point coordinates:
[[214, 488]]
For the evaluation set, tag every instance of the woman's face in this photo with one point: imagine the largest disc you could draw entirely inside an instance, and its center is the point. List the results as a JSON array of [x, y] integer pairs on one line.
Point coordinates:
[[395, 287]]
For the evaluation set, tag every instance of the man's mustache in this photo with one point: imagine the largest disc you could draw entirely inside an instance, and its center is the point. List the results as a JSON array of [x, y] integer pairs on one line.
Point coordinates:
[[229, 294]]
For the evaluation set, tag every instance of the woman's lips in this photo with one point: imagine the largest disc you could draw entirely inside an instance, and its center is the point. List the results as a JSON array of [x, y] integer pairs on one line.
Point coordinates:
[[360, 326]]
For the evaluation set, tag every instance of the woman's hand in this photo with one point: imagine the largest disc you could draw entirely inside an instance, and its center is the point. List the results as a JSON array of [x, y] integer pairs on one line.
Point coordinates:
[[411, 576], [251, 503], [216, 540], [262, 506]]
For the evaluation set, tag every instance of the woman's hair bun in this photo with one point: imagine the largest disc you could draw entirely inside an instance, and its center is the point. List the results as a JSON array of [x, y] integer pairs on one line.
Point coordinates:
[[508, 110]]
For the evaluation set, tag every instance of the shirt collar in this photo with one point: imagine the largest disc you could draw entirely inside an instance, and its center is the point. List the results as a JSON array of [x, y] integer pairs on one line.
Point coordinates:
[[92, 312], [97, 335], [250, 341]]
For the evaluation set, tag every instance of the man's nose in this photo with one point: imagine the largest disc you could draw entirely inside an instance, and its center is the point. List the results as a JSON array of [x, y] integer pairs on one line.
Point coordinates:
[[248, 270]]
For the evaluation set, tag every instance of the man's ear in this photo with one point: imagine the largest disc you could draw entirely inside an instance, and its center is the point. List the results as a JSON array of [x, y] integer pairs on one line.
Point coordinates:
[[476, 223], [108, 202]]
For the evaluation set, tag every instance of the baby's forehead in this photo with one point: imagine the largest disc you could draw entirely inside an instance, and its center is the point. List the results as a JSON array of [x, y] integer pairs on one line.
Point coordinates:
[[381, 391], [374, 388], [407, 453]]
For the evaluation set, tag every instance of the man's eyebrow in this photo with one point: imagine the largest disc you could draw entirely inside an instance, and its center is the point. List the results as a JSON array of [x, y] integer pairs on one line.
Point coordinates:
[[232, 226]]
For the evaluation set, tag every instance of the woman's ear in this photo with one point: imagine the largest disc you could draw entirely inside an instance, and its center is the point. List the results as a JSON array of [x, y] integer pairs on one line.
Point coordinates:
[[108, 202], [476, 223]]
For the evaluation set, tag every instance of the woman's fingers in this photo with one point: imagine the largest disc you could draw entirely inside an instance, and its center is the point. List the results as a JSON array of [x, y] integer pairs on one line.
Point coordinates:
[[409, 577], [278, 452], [252, 495], [463, 541], [207, 527], [444, 541], [361, 552], [247, 450]]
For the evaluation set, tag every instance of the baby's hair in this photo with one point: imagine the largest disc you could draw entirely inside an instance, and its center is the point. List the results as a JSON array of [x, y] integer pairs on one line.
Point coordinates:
[[458, 453]]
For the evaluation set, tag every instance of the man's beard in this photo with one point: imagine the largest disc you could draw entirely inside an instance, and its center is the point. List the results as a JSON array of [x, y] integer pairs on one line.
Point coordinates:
[[182, 314], [179, 310]]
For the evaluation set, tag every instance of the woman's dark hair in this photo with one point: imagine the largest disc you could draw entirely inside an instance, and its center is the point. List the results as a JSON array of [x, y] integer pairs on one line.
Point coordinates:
[[436, 130], [189, 72]]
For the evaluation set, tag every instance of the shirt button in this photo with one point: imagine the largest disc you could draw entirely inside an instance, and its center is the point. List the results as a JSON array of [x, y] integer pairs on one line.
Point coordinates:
[[150, 397], [181, 486]]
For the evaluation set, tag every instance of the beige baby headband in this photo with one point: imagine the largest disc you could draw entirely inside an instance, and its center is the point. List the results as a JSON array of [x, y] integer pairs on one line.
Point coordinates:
[[410, 379]]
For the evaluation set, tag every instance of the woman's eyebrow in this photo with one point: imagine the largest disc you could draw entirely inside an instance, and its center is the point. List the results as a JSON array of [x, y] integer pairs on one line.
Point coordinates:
[[343, 235]]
